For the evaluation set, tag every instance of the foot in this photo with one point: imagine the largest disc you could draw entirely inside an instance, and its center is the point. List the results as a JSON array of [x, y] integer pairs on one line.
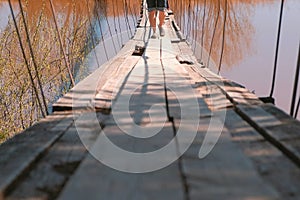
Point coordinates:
[[161, 31], [154, 36]]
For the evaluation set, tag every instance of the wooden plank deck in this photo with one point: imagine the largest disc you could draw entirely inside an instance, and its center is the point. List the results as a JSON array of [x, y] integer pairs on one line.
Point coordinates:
[[256, 155]]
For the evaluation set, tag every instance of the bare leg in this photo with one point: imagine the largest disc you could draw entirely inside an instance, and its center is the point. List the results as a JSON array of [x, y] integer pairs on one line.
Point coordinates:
[[161, 23], [152, 19], [161, 18]]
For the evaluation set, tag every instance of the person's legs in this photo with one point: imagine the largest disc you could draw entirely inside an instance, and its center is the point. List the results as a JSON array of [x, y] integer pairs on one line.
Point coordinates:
[[161, 7], [152, 19], [155, 7], [161, 23], [161, 18]]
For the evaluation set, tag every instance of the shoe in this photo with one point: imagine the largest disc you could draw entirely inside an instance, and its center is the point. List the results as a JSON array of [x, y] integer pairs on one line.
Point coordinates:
[[161, 31], [154, 36]]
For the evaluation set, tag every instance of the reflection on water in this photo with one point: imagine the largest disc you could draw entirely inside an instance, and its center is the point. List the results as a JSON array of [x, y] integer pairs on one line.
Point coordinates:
[[82, 26], [202, 21], [249, 41]]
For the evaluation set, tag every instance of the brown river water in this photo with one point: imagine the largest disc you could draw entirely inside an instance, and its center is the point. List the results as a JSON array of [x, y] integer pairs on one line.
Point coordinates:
[[250, 42]]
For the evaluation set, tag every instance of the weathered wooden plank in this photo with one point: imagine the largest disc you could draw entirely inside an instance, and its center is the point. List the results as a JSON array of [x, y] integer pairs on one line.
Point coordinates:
[[238, 180], [51, 172], [176, 29], [82, 95], [236, 185], [272, 165], [198, 75], [224, 173], [180, 86], [145, 87], [106, 183], [108, 89], [46, 179], [21, 152], [174, 37], [266, 120], [142, 35], [167, 50], [237, 93], [282, 134], [278, 113], [178, 82], [185, 51]]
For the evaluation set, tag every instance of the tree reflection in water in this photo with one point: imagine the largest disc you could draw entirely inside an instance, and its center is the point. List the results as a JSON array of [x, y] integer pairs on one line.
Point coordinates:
[[79, 25], [202, 22]]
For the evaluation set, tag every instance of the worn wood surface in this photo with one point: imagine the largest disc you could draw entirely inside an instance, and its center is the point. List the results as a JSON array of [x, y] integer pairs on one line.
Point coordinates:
[[243, 148]]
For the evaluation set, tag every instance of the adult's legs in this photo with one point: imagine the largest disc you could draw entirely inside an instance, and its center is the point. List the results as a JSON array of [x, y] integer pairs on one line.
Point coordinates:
[[161, 18], [152, 19], [156, 7], [161, 23]]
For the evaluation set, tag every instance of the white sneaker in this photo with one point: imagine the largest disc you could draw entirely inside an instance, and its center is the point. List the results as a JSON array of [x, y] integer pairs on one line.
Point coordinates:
[[162, 31], [154, 36]]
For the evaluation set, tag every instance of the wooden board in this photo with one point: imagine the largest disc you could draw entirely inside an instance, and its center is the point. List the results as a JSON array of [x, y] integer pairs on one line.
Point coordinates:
[[145, 87], [225, 173], [21, 152], [82, 96], [281, 134], [97, 181], [272, 165]]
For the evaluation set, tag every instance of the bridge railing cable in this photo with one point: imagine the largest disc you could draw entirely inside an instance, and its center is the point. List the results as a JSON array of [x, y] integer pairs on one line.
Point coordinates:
[[223, 37], [67, 63], [294, 112], [214, 33], [277, 49], [26, 60]]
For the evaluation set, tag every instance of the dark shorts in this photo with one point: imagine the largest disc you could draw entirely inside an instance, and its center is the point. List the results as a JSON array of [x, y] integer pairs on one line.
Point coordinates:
[[157, 5]]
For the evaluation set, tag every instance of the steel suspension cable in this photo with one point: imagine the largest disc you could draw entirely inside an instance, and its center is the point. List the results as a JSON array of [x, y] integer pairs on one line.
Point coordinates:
[[197, 21], [25, 59], [214, 33], [119, 22], [126, 17], [110, 32], [297, 108], [61, 44], [93, 32], [203, 32], [193, 24], [102, 34], [277, 49], [223, 40], [115, 25], [183, 9], [134, 20], [33, 58], [295, 85], [189, 19]]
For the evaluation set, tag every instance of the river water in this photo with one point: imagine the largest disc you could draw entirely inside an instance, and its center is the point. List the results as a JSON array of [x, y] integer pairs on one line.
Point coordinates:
[[250, 41], [256, 69]]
